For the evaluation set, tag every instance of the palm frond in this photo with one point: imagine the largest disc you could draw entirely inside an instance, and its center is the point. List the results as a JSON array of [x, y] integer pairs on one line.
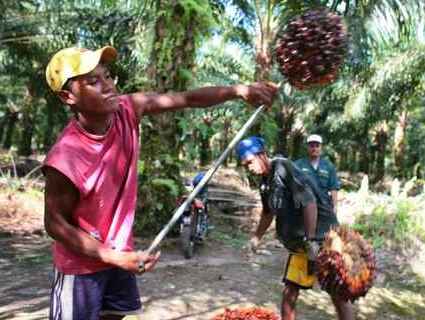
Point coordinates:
[[395, 80]]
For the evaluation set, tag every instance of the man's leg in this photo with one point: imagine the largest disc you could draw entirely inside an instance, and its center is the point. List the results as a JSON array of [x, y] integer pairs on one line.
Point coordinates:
[[295, 277], [77, 297], [344, 309], [121, 296], [289, 300]]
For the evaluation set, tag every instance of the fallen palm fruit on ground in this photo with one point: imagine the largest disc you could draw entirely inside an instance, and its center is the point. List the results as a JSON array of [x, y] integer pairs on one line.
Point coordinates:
[[253, 313], [346, 264]]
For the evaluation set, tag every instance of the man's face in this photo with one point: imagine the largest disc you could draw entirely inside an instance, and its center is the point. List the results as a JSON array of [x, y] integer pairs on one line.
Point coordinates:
[[256, 164], [314, 149], [95, 92]]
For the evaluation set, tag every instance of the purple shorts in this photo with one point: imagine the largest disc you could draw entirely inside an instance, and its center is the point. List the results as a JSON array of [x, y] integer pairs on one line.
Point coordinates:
[[88, 296]]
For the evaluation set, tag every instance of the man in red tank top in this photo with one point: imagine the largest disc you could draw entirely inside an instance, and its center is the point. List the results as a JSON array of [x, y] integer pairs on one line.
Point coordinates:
[[91, 182]]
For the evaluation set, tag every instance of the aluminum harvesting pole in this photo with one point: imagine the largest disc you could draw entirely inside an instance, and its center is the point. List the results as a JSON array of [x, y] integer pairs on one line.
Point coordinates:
[[179, 211]]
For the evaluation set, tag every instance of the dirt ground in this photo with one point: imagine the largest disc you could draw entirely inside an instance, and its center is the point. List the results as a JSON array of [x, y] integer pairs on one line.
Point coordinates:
[[219, 276]]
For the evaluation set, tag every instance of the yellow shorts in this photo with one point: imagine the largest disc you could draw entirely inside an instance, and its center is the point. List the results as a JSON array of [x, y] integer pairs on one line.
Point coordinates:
[[296, 271]]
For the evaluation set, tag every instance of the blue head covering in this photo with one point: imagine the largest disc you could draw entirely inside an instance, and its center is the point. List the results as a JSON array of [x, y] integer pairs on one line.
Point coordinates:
[[250, 146], [198, 178]]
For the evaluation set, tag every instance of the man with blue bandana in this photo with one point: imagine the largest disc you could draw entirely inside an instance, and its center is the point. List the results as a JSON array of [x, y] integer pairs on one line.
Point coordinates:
[[303, 216]]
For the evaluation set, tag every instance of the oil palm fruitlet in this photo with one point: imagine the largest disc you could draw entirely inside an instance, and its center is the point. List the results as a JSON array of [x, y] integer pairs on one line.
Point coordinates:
[[311, 48], [346, 264], [253, 313]]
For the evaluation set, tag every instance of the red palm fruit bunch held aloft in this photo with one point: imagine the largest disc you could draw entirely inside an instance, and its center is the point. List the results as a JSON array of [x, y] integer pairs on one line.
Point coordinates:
[[311, 48], [253, 313], [346, 264]]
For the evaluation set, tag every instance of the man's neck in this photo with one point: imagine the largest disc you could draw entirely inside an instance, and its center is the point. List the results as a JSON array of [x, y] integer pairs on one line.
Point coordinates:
[[97, 126], [314, 162], [269, 165]]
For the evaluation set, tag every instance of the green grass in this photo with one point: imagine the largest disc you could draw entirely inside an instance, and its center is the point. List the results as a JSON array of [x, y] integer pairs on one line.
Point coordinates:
[[397, 222], [234, 238]]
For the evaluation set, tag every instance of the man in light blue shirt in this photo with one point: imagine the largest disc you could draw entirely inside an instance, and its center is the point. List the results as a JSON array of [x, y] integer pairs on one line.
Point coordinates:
[[321, 170]]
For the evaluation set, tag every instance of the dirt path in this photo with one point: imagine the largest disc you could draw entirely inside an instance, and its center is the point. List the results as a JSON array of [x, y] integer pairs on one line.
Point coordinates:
[[219, 276]]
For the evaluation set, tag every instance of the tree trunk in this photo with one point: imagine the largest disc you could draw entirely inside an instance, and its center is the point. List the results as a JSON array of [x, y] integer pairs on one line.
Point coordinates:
[[297, 143], [48, 137], [400, 143], [225, 139], [28, 122], [364, 160], [205, 152], [343, 161], [12, 118], [25, 145], [353, 159], [265, 35], [363, 148], [285, 121], [172, 60], [381, 139], [3, 122], [205, 148]]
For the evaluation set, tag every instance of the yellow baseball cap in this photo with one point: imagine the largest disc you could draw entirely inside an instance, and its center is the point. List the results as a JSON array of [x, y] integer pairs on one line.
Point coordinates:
[[71, 62]]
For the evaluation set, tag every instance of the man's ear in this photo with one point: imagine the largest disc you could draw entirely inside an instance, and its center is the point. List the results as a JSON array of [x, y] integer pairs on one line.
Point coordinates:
[[67, 97]]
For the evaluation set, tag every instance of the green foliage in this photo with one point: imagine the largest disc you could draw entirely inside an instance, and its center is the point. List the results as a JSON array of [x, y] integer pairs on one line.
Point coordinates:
[[166, 45], [10, 179], [169, 184], [235, 238], [159, 186], [395, 222]]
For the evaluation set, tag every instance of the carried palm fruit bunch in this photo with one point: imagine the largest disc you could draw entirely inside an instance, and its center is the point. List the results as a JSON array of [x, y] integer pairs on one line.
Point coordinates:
[[346, 264], [253, 313], [311, 48]]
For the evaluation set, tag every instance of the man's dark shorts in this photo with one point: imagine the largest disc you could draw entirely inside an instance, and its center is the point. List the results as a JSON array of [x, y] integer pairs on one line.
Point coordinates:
[[87, 296]]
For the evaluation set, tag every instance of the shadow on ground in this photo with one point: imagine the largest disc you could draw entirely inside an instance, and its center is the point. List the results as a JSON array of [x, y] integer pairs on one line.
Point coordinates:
[[219, 276]]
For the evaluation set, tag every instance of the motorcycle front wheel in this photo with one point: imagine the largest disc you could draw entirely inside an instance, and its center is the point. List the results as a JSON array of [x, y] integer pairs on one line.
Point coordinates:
[[187, 243]]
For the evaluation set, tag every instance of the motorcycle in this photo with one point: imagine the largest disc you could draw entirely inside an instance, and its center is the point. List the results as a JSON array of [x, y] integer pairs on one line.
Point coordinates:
[[194, 223]]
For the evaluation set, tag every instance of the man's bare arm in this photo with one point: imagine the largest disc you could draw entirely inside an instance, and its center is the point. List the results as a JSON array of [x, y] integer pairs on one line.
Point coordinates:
[[265, 221], [61, 199], [258, 93]]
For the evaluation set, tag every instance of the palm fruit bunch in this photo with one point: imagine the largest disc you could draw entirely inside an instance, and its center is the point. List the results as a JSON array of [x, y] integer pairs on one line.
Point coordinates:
[[346, 264], [253, 313], [311, 48]]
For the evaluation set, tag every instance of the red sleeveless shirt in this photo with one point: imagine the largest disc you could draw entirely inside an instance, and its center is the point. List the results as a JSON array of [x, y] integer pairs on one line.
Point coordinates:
[[104, 170]]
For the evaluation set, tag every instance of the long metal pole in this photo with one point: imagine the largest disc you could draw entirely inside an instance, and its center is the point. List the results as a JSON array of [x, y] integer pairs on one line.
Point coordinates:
[[179, 211]]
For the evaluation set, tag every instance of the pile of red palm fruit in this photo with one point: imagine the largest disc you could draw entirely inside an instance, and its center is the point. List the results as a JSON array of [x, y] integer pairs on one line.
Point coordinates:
[[253, 313]]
